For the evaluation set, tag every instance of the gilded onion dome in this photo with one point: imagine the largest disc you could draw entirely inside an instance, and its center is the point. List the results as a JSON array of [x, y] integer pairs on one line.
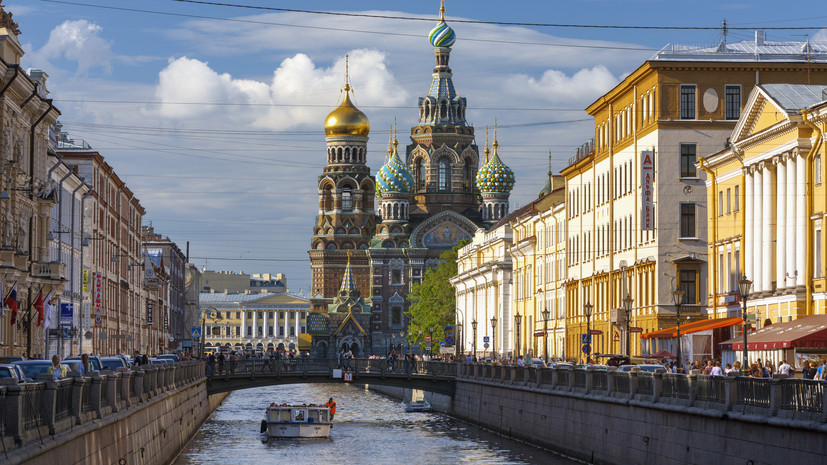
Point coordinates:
[[494, 176], [442, 35], [394, 175], [346, 120]]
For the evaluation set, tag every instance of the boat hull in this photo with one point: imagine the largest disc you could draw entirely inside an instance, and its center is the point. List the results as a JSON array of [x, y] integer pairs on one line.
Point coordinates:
[[298, 430]]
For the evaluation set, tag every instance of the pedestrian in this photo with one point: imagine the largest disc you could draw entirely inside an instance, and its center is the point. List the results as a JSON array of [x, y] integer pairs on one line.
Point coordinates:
[[221, 358], [728, 369], [211, 364], [266, 364], [84, 364], [784, 368], [57, 369], [716, 370], [332, 406], [820, 372], [136, 358], [346, 359], [144, 360], [708, 367], [233, 361]]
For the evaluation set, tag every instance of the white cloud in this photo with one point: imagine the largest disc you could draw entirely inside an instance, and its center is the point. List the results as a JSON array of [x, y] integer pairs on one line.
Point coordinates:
[[820, 36], [297, 81], [19, 10], [78, 41], [556, 87]]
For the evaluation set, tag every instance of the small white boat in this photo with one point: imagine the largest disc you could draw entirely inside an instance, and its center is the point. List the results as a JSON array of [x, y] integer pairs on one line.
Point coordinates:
[[297, 421], [421, 405]]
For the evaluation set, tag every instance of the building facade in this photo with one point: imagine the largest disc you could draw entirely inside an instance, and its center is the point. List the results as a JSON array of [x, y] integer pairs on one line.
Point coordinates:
[[170, 262], [636, 202], [767, 198]]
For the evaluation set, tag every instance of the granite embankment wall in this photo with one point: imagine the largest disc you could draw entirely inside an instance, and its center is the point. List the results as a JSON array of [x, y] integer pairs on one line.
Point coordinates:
[[624, 418], [154, 421]]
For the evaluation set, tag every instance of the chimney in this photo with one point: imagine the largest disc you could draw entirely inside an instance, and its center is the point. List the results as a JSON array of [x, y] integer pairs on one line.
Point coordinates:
[[760, 37]]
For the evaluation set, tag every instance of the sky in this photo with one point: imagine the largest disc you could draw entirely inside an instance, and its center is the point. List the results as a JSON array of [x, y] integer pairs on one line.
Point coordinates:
[[214, 114]]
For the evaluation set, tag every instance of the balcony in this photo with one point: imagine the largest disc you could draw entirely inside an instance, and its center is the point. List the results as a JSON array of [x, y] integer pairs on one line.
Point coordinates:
[[49, 270], [14, 259]]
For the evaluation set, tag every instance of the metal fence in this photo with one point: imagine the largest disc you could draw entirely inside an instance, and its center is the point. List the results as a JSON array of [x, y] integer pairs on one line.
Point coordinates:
[[753, 391], [645, 384], [675, 386], [63, 399], [710, 389], [803, 395]]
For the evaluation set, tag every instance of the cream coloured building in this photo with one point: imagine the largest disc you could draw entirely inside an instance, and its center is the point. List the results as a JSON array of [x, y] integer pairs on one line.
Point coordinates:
[[767, 198]]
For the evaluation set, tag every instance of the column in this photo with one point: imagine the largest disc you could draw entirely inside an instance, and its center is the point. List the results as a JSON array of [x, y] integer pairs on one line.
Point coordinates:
[[800, 221], [264, 328], [757, 231], [790, 220], [781, 223], [298, 314], [749, 213], [766, 235]]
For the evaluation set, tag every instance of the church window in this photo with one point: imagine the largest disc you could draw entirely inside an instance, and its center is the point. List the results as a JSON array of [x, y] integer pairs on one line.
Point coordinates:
[[396, 315], [420, 174], [396, 277], [444, 173], [331, 246], [347, 200], [466, 175]]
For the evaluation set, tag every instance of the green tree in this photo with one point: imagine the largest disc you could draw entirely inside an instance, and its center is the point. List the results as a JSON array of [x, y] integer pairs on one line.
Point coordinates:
[[433, 301]]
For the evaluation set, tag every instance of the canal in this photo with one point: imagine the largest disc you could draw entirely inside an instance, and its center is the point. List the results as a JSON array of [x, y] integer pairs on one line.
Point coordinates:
[[369, 429]]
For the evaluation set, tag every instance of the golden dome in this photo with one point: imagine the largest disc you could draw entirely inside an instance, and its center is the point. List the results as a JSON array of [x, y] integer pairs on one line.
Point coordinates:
[[346, 120]]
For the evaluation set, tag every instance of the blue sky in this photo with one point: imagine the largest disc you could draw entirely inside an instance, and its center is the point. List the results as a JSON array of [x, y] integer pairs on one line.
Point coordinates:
[[234, 169]]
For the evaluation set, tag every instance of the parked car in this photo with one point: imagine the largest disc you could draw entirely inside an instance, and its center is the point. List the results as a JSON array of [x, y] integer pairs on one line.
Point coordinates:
[[94, 361], [113, 363], [173, 357], [74, 365], [9, 371], [8, 360], [32, 368], [157, 361], [648, 367]]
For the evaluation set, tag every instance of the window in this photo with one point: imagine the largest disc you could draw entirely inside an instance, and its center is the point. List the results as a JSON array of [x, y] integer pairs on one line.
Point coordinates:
[[689, 155], [689, 286], [420, 174], [728, 200], [818, 169], [396, 277], [720, 203], [281, 330], [737, 200], [347, 200], [396, 315], [687, 220], [732, 102], [444, 174], [468, 179], [687, 102], [249, 331], [817, 262]]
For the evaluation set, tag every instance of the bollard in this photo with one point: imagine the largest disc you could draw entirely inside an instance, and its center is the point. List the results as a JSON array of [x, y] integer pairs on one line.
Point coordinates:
[[775, 396], [657, 386], [95, 385], [110, 391], [730, 392]]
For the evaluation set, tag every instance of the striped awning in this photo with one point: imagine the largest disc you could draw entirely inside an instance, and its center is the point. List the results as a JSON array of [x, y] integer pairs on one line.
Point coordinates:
[[694, 327]]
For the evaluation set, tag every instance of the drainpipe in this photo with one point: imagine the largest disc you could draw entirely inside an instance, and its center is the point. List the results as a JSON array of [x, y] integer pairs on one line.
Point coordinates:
[[72, 248], [808, 283], [714, 226], [31, 136], [83, 198], [13, 77]]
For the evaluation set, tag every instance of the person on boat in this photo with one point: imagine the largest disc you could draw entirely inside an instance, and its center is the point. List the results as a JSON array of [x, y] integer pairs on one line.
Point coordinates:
[[332, 406]]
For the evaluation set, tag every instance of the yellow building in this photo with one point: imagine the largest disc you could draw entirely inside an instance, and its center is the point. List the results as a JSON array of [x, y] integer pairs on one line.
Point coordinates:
[[636, 202], [767, 205], [253, 321]]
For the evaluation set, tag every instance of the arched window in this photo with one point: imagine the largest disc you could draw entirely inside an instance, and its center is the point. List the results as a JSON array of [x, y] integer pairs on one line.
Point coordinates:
[[466, 174], [347, 200], [420, 174], [444, 175]]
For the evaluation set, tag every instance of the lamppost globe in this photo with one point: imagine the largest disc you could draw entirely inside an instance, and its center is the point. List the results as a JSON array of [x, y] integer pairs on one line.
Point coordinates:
[[474, 336], [494, 337], [677, 300], [627, 307], [587, 310], [546, 314], [518, 319]]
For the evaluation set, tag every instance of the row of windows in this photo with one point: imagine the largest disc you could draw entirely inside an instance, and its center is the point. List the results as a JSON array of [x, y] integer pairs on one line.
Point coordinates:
[[732, 102], [729, 202]]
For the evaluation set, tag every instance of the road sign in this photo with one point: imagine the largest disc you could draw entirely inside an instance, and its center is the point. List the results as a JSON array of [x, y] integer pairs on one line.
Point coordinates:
[[427, 338], [102, 335], [442, 343], [485, 345], [428, 344], [635, 329], [348, 376], [586, 349], [485, 339], [196, 333], [449, 340], [595, 332], [585, 339], [446, 350]]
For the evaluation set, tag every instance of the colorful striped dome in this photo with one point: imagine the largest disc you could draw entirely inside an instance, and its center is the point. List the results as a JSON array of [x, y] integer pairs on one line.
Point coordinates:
[[495, 176], [394, 176], [442, 35]]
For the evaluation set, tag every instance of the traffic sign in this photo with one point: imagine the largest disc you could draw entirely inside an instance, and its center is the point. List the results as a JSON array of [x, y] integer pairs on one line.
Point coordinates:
[[586, 349], [442, 343], [196, 333], [427, 338], [595, 332], [449, 340], [446, 350], [585, 339], [428, 344], [348, 376], [635, 329], [485, 345], [485, 339]]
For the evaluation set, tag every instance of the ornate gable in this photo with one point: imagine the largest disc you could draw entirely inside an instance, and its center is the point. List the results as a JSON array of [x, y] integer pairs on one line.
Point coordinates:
[[443, 231]]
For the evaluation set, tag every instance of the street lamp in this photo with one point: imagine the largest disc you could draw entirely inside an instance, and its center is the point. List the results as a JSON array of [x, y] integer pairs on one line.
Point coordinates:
[[744, 286], [627, 307], [459, 342], [493, 338], [677, 299], [205, 313], [546, 314], [518, 319], [474, 340], [587, 310]]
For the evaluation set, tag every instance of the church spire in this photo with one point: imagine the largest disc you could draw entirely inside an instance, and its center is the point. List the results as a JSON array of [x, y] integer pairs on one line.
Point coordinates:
[[348, 281]]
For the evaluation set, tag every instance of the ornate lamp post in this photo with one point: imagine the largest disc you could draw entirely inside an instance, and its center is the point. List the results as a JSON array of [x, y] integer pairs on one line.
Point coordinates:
[[587, 310], [206, 313], [474, 340], [627, 307], [546, 314], [493, 338], [744, 286], [677, 299], [459, 342], [518, 319]]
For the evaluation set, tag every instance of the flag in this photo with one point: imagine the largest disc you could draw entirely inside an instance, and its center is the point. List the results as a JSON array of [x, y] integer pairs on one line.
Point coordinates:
[[38, 305], [11, 301], [49, 309]]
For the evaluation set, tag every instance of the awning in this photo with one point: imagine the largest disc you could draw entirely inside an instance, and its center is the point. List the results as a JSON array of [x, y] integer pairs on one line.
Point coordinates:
[[694, 327], [807, 331]]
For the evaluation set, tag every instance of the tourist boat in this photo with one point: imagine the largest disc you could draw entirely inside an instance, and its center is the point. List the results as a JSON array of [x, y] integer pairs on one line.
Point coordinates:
[[420, 405], [297, 421]]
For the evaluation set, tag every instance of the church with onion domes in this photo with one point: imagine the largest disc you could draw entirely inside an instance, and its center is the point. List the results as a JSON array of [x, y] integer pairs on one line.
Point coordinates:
[[375, 236]]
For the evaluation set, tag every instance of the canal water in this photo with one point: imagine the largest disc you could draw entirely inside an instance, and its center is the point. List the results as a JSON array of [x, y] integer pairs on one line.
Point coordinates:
[[369, 428]]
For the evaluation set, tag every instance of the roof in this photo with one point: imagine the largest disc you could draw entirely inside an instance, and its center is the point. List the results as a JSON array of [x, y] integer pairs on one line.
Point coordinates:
[[796, 97], [694, 327], [756, 50], [808, 331], [233, 297]]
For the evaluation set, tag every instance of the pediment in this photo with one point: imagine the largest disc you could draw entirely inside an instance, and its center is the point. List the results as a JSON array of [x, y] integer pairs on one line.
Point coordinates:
[[760, 113], [443, 231]]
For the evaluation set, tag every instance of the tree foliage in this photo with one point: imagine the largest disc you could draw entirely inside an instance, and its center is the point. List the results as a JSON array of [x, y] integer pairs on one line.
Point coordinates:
[[433, 301]]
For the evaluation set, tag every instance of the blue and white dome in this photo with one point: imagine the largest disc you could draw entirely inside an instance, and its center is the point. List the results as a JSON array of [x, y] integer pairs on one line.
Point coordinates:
[[394, 176], [494, 176], [442, 35]]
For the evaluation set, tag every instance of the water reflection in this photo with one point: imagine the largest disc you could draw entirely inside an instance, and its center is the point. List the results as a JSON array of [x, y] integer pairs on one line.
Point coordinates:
[[369, 429]]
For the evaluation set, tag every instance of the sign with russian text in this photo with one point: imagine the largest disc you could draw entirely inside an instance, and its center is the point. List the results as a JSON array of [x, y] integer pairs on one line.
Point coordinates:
[[67, 311], [85, 281], [98, 299], [87, 316], [647, 183]]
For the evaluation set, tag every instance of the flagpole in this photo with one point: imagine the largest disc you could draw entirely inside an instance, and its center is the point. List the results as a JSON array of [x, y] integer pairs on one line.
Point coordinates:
[[29, 326]]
